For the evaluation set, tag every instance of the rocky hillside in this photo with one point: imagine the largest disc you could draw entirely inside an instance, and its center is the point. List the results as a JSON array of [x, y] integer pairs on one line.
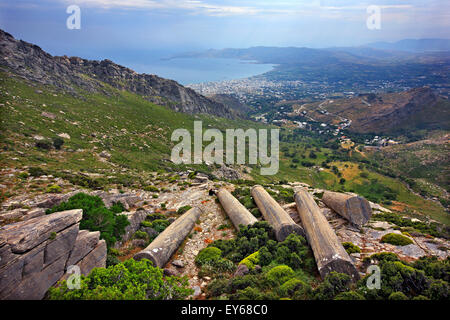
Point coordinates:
[[233, 103], [72, 73], [418, 108]]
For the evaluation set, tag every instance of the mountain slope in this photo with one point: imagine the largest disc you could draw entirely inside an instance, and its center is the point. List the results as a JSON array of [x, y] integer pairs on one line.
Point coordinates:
[[391, 113], [32, 63]]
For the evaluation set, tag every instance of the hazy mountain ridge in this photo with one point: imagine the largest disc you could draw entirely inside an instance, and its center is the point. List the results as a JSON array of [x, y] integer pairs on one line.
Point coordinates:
[[69, 73], [413, 45]]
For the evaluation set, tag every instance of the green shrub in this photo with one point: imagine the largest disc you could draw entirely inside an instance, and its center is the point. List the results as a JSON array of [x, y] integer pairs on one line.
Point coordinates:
[[215, 267], [183, 209], [398, 296], [256, 213], [23, 175], [439, 290], [295, 288], [333, 284], [427, 228], [36, 172], [140, 235], [384, 256], [208, 254], [155, 216], [58, 143], [42, 144], [146, 223], [96, 217], [111, 260], [351, 248], [396, 239], [251, 260], [151, 188], [433, 267], [130, 280], [54, 189], [218, 286], [349, 295], [280, 274], [396, 276], [160, 225]]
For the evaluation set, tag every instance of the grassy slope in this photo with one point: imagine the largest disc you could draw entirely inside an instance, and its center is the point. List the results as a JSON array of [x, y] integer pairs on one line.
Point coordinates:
[[98, 122]]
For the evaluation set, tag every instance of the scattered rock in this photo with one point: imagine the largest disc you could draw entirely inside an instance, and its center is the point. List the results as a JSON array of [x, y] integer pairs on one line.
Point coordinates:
[[241, 270], [48, 115], [197, 291], [178, 263], [105, 154], [170, 272], [64, 136]]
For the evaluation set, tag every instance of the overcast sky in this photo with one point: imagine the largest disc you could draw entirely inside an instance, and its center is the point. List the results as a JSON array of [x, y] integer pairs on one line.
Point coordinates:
[[123, 28]]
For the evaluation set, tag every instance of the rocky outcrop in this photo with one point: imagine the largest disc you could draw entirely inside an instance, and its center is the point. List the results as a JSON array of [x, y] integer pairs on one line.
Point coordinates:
[[35, 254], [31, 62], [26, 208]]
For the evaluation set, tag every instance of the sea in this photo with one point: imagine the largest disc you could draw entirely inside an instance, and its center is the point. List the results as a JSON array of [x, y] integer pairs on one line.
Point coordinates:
[[198, 70]]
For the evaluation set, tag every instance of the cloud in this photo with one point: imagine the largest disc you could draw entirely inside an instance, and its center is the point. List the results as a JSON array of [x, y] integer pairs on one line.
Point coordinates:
[[227, 8], [194, 6]]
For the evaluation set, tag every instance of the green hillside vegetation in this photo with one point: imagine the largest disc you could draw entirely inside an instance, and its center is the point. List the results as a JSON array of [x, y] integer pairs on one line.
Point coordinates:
[[287, 270], [136, 134]]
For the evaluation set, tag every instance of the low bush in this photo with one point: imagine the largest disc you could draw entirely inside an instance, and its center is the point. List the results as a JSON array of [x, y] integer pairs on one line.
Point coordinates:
[[160, 225], [351, 248], [280, 274], [396, 239], [53, 189], [96, 217], [183, 209], [130, 280], [398, 296], [349, 295], [208, 254], [333, 284], [251, 260]]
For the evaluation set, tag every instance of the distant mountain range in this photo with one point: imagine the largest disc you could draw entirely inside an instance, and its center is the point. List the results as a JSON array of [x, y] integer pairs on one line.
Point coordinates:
[[367, 54], [413, 45], [73, 73]]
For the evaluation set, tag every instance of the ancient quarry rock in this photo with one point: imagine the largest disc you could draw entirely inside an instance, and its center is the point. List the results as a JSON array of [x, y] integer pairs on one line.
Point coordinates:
[[26, 235], [355, 209], [279, 219], [162, 248], [329, 253], [35, 254], [85, 242]]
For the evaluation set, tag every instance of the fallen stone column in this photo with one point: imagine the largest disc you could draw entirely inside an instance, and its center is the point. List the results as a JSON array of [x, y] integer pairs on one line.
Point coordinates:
[[235, 210], [355, 209], [329, 253], [279, 219], [167, 242]]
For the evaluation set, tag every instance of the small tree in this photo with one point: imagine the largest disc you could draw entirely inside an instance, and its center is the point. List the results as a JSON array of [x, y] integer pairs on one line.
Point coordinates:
[[58, 142]]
